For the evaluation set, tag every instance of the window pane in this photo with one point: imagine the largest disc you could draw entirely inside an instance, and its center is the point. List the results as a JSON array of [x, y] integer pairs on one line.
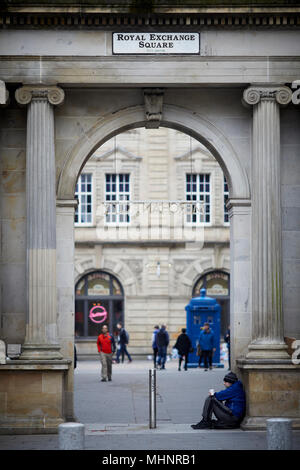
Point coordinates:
[[79, 318], [226, 195], [80, 287], [84, 195], [117, 313], [98, 284], [118, 191], [116, 287], [198, 287], [217, 284], [98, 315]]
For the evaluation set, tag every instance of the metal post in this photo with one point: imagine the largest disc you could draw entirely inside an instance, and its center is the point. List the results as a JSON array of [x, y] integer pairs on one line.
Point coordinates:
[[71, 436], [152, 398], [279, 434]]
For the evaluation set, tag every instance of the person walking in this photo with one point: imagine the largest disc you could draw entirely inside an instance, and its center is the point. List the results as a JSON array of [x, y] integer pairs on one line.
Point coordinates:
[[183, 345], [227, 341], [154, 345], [230, 414], [206, 342], [123, 340], [106, 348], [162, 341]]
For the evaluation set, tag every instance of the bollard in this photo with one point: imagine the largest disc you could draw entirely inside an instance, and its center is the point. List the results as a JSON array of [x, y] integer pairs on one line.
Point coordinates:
[[152, 398], [71, 436], [279, 434]]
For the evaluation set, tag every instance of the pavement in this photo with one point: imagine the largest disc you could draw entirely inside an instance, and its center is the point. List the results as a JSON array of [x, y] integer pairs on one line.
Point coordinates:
[[116, 413]]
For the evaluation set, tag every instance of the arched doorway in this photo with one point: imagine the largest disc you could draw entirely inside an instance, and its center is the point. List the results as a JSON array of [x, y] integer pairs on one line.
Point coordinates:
[[207, 133], [217, 285], [99, 300]]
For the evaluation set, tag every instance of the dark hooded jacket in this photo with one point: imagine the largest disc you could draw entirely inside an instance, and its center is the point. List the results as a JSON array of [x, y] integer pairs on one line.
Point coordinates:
[[183, 344], [234, 397]]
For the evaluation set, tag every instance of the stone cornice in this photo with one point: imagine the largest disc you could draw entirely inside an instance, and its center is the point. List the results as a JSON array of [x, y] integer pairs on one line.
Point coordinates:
[[161, 15], [26, 94]]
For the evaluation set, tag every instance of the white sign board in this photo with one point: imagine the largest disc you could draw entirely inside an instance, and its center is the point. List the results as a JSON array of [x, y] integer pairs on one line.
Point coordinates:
[[156, 43]]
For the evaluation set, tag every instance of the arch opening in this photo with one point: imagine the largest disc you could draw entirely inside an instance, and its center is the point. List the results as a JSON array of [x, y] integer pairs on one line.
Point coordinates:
[[174, 117]]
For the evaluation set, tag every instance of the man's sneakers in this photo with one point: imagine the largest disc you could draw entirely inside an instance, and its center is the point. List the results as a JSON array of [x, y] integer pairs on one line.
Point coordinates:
[[202, 425], [214, 424]]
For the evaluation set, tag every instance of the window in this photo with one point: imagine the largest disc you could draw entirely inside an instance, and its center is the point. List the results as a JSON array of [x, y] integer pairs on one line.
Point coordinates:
[[99, 300], [216, 284], [117, 188], [198, 190], [226, 195], [83, 192]]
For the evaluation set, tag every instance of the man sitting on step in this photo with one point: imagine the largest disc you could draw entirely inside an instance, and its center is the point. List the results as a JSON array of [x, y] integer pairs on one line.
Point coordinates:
[[230, 414]]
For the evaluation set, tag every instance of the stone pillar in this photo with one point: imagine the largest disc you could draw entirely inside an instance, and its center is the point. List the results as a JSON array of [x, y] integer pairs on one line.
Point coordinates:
[[267, 316], [240, 277], [41, 330], [65, 246]]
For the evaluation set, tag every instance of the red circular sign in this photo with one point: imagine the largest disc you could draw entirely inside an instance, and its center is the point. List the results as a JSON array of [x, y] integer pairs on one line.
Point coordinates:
[[98, 314]]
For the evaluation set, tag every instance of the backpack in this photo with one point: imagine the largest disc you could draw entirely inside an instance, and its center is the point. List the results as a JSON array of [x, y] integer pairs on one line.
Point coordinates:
[[161, 338], [124, 336]]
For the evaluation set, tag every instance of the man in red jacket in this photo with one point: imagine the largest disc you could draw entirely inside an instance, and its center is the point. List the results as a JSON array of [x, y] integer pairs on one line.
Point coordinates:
[[106, 348]]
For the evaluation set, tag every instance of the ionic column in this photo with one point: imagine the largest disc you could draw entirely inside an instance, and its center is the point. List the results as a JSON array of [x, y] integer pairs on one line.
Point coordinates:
[[41, 330], [267, 315]]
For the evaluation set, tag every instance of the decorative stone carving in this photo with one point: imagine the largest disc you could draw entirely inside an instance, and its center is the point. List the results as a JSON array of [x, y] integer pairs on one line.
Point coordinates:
[[153, 106], [253, 95], [53, 94]]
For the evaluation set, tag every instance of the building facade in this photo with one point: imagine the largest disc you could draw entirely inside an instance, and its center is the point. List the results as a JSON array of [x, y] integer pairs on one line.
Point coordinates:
[[75, 75], [149, 243]]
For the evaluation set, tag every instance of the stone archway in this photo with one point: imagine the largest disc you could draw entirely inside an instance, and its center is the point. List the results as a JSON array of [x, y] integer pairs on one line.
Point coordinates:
[[219, 145], [174, 117], [207, 133]]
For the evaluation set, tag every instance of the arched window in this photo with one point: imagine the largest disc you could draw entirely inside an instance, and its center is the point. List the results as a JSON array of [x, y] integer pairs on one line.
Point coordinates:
[[217, 285], [99, 300]]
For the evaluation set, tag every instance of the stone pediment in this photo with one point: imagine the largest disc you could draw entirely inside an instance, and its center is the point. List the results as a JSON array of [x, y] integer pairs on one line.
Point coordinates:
[[199, 149], [121, 153]]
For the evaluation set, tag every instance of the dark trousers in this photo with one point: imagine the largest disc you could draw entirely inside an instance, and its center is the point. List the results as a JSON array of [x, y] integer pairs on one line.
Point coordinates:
[[162, 356], [155, 351], [121, 352], [229, 359], [186, 360], [221, 412], [207, 358]]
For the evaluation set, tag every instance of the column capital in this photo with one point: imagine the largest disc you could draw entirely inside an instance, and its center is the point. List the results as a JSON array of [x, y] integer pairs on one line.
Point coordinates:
[[4, 95], [27, 93], [256, 93]]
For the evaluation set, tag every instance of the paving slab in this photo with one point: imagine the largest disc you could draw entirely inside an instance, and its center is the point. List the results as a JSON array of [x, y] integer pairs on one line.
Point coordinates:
[[116, 413]]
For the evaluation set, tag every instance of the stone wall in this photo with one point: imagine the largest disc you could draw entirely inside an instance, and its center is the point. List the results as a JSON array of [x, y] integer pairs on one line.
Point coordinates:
[[290, 202], [13, 223]]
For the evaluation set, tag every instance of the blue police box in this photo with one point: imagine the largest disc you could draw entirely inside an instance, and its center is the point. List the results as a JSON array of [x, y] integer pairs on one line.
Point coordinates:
[[199, 311]]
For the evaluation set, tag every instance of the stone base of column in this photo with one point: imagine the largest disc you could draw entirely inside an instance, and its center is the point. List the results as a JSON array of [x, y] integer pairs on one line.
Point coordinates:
[[267, 351], [41, 352], [33, 396], [272, 391]]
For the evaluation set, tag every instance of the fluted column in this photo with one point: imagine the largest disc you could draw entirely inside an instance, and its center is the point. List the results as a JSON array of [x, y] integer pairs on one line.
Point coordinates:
[[41, 330], [267, 315]]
